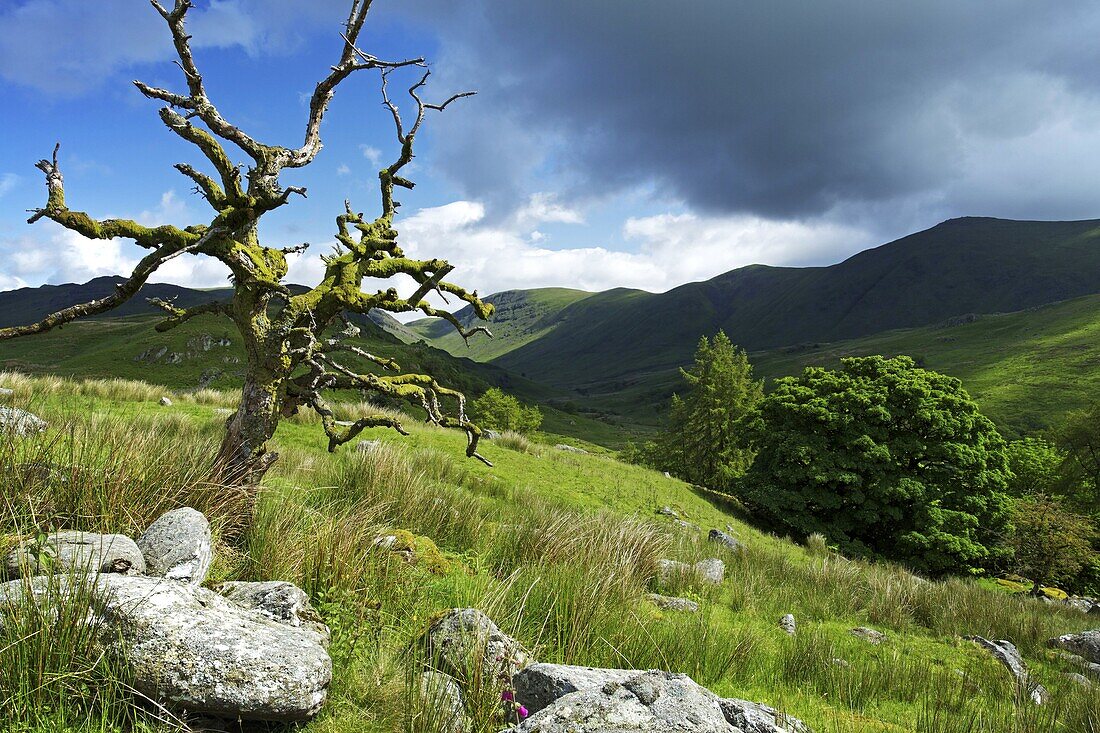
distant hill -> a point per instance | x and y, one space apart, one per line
631 341
26 305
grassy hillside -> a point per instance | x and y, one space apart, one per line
208 353
521 317
558 547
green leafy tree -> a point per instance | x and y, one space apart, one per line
886 460
1079 439
299 345
700 443
1034 466
1051 543
496 410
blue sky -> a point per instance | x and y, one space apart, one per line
614 143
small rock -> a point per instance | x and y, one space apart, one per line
178 546
1006 653
711 570
842 663
721 538
490 435
755 717
5 392
1085 644
463 638
82 552
788 625
366 446
1079 679
570 448
684 524
868 635
443 697
165 402
1084 605
282 602
668 511
667 474
20 422
672 603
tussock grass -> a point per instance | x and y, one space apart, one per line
565 571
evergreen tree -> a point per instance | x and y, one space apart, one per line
700 443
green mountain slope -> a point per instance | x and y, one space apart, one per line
521 317
208 353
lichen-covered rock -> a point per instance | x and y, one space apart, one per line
719 537
178 546
464 639
787 623
20 422
282 602
869 635
755 717
442 697
570 699
189 648
712 570
85 552
1086 644
673 603
1006 653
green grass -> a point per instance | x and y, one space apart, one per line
558 547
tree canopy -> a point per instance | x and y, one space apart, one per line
496 410
886 460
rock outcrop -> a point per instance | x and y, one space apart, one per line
571 699
20 422
464 639
1006 653
1086 644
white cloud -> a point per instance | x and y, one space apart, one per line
544 207
343 170
371 153
7 182
10 282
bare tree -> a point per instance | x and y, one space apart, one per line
291 341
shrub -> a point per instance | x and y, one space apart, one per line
496 410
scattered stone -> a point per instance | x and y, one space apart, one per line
869 635
20 422
178 546
668 511
565 698
189 648
82 552
788 625
165 402
721 538
5 392
366 446
442 695
667 474
1085 644
570 448
282 602
843 663
464 638
672 603
490 435
684 524
1006 653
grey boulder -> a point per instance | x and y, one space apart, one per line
1086 644
282 602
84 552
443 702
188 648
712 570
20 422
571 699
464 642
178 546
731 543
869 635
787 623
1006 653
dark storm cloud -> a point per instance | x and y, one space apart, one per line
777 107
